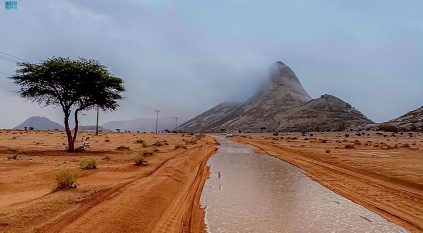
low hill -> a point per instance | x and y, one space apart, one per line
40 123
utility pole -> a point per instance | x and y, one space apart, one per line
176 124
157 118
96 126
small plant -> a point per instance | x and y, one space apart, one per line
180 146
121 148
349 146
388 128
406 145
140 141
146 153
84 144
66 179
158 143
327 151
107 140
139 159
88 163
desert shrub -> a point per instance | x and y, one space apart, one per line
190 142
122 148
144 144
357 142
347 135
388 128
156 150
323 141
88 163
14 157
327 151
107 140
158 143
180 146
349 146
146 153
66 179
140 141
139 159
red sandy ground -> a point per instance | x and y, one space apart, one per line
116 197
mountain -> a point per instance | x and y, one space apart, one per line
40 123
411 121
282 104
92 128
141 124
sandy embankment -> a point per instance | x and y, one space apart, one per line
116 197
374 174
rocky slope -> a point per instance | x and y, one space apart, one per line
283 105
411 121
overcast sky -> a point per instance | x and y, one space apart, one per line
184 57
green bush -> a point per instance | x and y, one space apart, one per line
88 163
66 179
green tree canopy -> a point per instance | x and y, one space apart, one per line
74 85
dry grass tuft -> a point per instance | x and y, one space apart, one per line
88 163
66 179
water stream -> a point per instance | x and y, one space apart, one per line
249 192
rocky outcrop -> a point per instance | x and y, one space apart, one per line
281 105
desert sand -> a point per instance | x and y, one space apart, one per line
116 197
380 171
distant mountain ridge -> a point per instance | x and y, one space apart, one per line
281 105
141 124
40 123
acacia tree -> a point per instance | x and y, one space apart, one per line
74 85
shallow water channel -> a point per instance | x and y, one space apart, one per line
250 192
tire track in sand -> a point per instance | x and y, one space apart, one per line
71 216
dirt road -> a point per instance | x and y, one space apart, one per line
120 197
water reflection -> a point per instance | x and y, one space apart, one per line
248 192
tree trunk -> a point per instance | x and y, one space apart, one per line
71 144
75 132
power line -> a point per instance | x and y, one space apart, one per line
8 59
15 57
